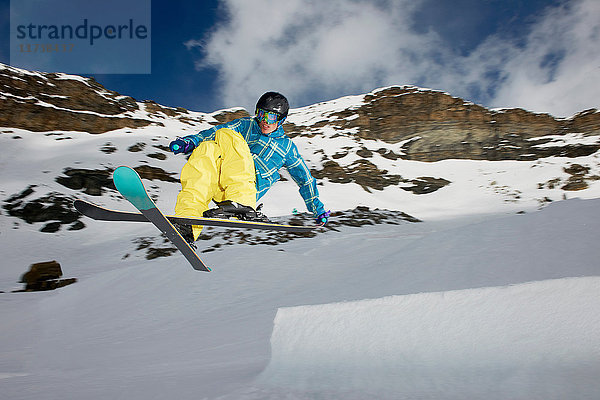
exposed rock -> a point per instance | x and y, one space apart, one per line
158 156
362 172
53 208
435 126
368 176
108 148
153 250
56 209
154 108
229 115
96 182
425 185
579 175
45 276
585 121
136 147
92 182
47 102
155 173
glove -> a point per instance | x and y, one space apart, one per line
182 145
323 218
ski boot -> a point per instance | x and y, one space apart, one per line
229 209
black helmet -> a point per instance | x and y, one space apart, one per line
274 102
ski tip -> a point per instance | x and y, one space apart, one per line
124 171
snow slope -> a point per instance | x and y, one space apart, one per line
157 329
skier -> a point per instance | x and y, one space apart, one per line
236 163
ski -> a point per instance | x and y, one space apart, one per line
130 185
99 213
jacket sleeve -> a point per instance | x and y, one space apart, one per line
307 183
208 134
238 125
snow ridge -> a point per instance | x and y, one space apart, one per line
538 338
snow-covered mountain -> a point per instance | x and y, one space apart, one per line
480 224
71 133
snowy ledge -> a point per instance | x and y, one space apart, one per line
540 336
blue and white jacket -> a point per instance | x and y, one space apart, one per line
270 153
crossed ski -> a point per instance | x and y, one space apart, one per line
130 185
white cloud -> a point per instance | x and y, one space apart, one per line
314 50
558 69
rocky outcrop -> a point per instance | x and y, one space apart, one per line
53 209
431 125
434 126
368 176
42 102
56 210
161 112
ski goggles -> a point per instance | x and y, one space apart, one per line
269 117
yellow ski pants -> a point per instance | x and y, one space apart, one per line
218 170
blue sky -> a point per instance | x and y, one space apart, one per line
542 55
